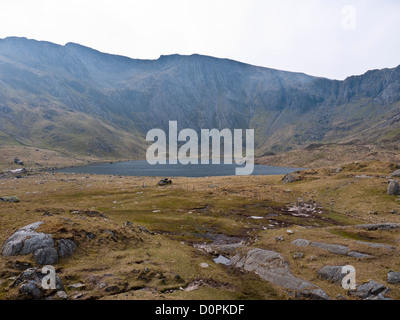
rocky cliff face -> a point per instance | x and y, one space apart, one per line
79 100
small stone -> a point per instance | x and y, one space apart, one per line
31 288
90 236
298 255
334 248
370 289
76 286
204 265
62 295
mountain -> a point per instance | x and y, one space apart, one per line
80 101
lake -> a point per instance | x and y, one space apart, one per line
142 168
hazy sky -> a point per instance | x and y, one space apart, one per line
329 38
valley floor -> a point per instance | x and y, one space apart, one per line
137 240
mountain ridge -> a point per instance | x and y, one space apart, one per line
82 101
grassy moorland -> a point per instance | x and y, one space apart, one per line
145 240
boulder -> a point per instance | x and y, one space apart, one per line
164 182
19 162
29 284
393 188
396 174
393 277
332 273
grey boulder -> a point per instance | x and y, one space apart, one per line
29 284
332 273
393 188
396 174
26 240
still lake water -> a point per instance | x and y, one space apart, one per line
142 169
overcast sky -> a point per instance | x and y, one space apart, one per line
328 38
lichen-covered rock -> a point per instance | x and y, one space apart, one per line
26 240
369 290
332 273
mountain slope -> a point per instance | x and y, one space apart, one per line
77 100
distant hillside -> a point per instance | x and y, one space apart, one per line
80 101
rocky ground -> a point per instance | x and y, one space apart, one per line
257 237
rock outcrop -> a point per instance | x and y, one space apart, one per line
27 240
371 291
393 277
271 266
30 286
334 248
